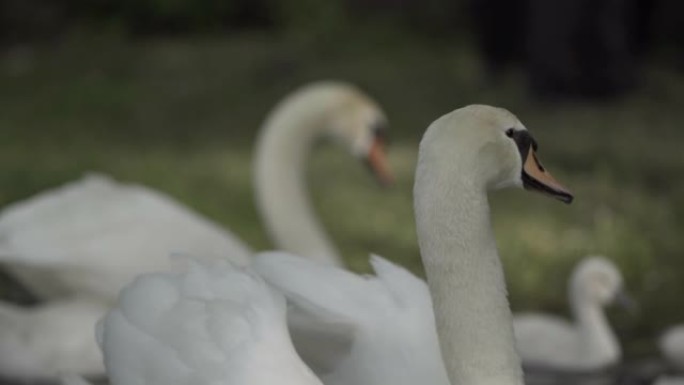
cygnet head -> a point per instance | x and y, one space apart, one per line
598 280
345 113
491 147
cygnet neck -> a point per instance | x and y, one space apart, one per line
598 338
465 276
283 148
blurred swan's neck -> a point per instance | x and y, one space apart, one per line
599 341
282 150
465 277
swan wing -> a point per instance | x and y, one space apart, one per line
379 327
671 345
108 229
319 313
73 380
210 324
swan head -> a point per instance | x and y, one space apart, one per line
598 280
358 122
492 147
344 113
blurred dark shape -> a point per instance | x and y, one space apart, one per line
500 29
668 29
579 48
30 19
576 48
570 48
14 292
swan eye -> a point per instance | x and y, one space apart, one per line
510 132
379 130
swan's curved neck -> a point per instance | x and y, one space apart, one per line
282 150
466 281
597 335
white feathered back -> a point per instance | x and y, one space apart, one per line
373 329
211 324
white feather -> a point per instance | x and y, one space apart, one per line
212 324
385 321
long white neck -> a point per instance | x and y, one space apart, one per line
465 277
599 341
282 150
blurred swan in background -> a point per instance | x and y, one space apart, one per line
89 238
162 335
586 343
283 146
671 345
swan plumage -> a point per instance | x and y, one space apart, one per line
358 329
329 109
671 344
94 235
208 324
88 238
587 342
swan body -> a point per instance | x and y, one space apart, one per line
88 238
353 329
588 341
94 235
462 156
210 324
335 110
671 345
51 337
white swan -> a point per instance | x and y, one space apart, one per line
90 237
586 343
283 146
671 345
462 156
212 324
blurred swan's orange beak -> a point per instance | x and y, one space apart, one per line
535 177
376 159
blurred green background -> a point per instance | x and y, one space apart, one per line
171 93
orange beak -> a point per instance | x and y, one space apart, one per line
377 162
535 177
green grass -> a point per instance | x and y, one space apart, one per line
180 115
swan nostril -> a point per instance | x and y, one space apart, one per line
541 168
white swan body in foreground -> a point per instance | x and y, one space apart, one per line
353 329
462 155
90 237
587 342
212 324
671 345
